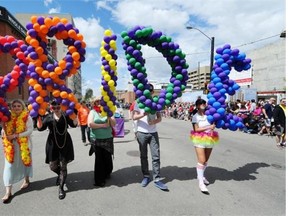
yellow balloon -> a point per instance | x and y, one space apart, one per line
112 43
104 53
114 68
103 43
106 98
111 83
104 93
103 113
112 88
108 57
110 104
112 62
107 77
113 109
108 32
103 73
102 67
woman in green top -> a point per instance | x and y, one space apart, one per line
102 141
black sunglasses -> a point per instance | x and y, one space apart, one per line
56 107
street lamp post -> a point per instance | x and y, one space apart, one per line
212 47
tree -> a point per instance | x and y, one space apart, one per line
88 94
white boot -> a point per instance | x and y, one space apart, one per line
200 172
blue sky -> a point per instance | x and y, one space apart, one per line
239 23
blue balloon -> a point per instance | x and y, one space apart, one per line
216 80
235 86
220 123
210 118
221 111
211 101
219 86
216 105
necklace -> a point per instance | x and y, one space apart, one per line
55 129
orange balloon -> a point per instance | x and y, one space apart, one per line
48 22
53 75
64 34
76 64
64 21
63 94
55 20
43 93
56 93
72 97
44 29
28 39
39 99
58 36
76 56
62 64
72 116
37 87
77 106
33 19
83 44
72 49
80 37
42 111
37 62
64 108
45 74
34 43
72 34
36 27
39 50
30 107
58 70
39 70
49 88
43 58
32 82
44 105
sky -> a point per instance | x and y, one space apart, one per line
245 24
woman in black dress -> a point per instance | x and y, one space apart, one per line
59 145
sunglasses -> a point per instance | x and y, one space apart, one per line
56 107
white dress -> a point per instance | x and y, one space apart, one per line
16 171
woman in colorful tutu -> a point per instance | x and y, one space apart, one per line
17 146
204 138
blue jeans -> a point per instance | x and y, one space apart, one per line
153 140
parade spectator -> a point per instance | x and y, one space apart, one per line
268 114
279 115
204 138
17 146
258 110
253 106
82 116
59 145
147 134
101 142
131 108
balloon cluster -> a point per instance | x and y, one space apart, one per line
50 77
174 56
220 85
17 49
109 74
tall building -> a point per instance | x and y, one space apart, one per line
198 77
58 49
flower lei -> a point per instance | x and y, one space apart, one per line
17 124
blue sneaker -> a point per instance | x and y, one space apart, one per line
145 181
161 185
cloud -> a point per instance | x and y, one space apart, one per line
47 2
91 29
54 10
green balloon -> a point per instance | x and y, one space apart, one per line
157 41
139 33
141 105
146 93
186 65
168 95
124 33
169 39
138 47
143 69
153 111
155 99
140 86
126 39
137 100
179 76
171 52
138 65
147 109
128 56
178 52
136 82
132 43
179 94
183 87
132 61
174 74
163 38
170 89
167 102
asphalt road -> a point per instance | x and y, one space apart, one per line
246 172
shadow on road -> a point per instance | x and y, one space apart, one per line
132 175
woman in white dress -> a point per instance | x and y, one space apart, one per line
17 148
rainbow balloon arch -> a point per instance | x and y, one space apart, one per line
44 77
